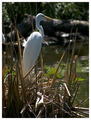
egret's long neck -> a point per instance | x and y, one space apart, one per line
40 28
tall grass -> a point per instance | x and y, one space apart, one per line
41 96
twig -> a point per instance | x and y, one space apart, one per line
77 114
67 89
21 78
54 103
70 79
81 108
20 52
41 67
82 102
40 112
75 93
48 81
54 77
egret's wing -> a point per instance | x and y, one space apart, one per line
31 51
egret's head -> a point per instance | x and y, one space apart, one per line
40 17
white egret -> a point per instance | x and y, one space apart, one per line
33 45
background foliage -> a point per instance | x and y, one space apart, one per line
61 10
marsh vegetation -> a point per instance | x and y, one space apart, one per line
58 84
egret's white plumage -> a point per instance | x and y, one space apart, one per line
31 51
33 45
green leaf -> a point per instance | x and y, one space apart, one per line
52 71
79 79
47 67
58 75
13 73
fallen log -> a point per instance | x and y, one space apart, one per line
56 30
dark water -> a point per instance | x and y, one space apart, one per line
54 54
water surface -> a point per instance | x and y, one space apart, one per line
54 54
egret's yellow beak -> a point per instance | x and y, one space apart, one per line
48 18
